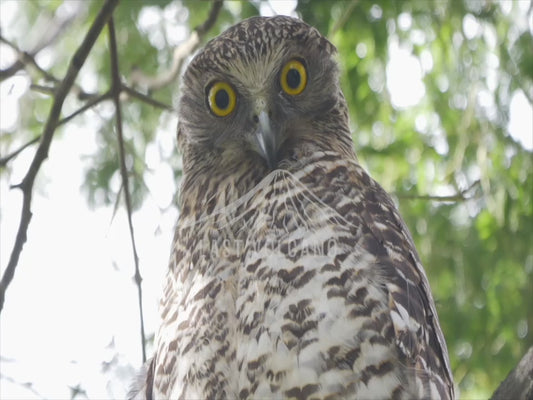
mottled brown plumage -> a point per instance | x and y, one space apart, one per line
292 275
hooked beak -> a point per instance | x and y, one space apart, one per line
266 140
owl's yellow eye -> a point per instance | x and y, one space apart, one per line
221 98
293 77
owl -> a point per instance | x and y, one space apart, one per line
292 274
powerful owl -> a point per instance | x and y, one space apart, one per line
292 274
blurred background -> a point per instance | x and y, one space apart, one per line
440 94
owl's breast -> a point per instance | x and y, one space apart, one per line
312 313
277 295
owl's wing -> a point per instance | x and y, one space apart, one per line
142 388
418 335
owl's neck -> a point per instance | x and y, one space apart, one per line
207 189
212 180
208 186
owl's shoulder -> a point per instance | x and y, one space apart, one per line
345 186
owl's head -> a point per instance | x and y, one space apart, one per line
264 92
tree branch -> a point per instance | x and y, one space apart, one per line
146 99
115 90
58 24
344 18
48 90
25 59
519 382
6 159
90 104
41 154
180 54
94 101
461 196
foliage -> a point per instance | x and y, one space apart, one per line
463 183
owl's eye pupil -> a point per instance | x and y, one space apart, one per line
293 78
222 99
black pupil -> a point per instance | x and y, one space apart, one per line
293 78
222 99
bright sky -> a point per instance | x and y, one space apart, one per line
73 293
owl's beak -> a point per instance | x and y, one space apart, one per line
266 140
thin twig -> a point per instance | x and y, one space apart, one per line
48 90
116 89
461 196
11 70
344 18
211 18
90 104
58 24
6 159
453 197
41 154
146 99
107 95
180 54
25 59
